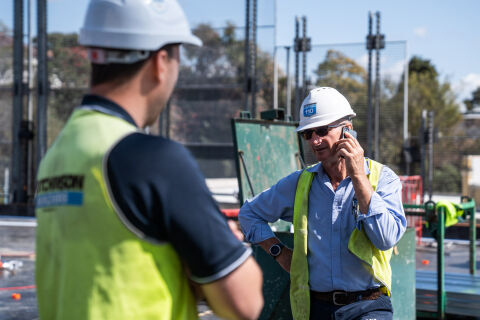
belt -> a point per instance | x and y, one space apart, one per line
341 298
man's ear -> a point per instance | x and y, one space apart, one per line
159 61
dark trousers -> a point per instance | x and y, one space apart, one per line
379 309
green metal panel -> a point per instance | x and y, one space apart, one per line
266 151
270 150
276 281
403 277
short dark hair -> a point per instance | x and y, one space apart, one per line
121 72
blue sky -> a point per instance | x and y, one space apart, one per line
446 32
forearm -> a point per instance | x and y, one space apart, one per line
285 257
363 192
237 295
385 222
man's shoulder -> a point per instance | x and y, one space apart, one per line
142 151
387 173
141 144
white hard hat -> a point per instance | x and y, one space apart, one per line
145 25
323 106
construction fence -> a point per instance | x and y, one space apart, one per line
212 89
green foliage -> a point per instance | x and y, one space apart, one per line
422 66
474 101
69 71
68 62
342 73
427 92
447 178
218 66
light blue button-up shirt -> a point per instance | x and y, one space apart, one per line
331 220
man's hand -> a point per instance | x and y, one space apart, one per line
285 259
235 230
350 149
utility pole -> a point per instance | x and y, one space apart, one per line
300 45
254 58
430 133
377 89
42 79
247 54
422 139
369 108
19 170
250 56
376 42
297 67
304 56
289 85
406 143
275 58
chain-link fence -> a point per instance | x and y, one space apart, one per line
211 90
345 67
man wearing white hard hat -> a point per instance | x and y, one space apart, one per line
127 228
347 215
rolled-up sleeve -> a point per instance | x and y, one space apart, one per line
385 221
269 206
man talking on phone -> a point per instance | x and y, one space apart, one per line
347 215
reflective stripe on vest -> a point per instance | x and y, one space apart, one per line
359 245
89 265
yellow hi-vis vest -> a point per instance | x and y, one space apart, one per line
89 265
358 244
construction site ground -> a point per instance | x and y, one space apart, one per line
17 245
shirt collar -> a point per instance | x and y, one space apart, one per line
107 106
317 168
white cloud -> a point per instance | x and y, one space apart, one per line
363 60
420 32
465 87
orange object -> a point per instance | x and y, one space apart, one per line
16 296
425 261
1 264
231 213
412 193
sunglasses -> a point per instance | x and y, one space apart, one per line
319 131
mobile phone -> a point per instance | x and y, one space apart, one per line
352 132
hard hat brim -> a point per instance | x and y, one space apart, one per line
132 41
319 123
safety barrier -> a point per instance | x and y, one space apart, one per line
412 194
436 219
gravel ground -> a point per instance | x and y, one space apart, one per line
17 244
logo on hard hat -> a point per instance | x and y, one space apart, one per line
158 5
309 110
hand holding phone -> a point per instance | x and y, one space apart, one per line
352 132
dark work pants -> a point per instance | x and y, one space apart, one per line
380 309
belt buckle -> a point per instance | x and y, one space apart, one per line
338 293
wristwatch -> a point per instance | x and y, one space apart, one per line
275 250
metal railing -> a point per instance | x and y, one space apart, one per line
430 212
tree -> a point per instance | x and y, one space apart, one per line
69 69
427 92
344 74
474 102
212 79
